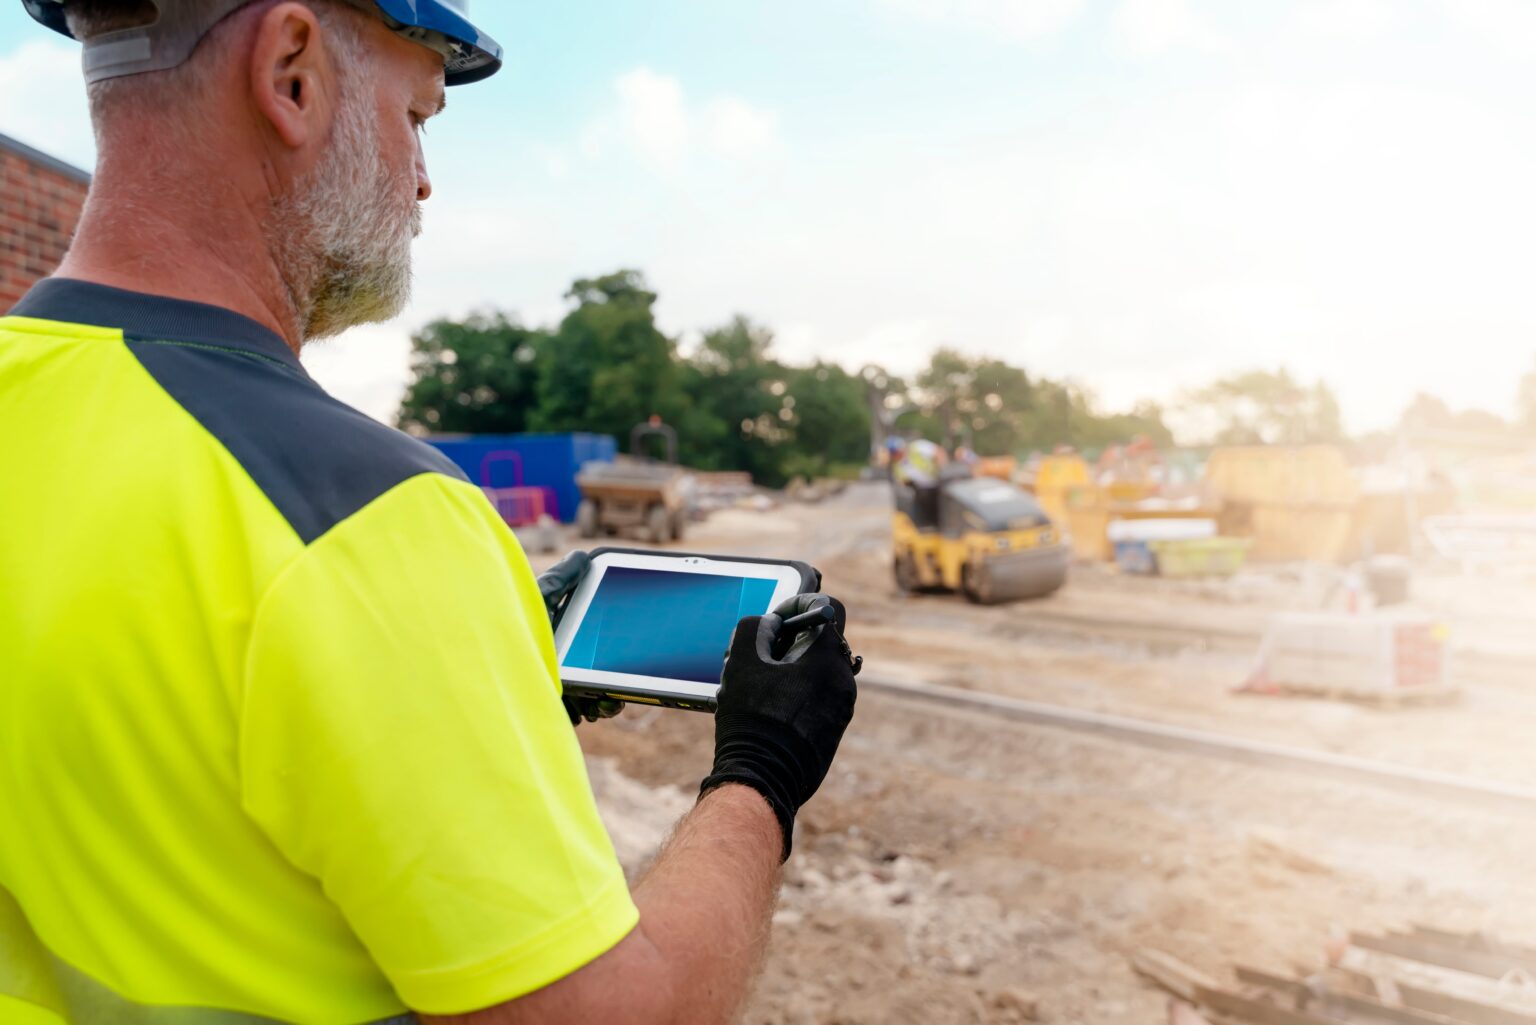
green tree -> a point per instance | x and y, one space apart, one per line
1266 407
734 404
1145 420
608 366
999 409
479 375
1057 415
829 420
981 402
1430 413
736 396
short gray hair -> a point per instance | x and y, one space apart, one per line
89 18
162 89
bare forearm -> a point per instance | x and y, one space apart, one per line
707 904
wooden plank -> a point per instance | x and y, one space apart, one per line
1473 941
1447 937
1491 965
1259 1012
1436 1001
1393 970
1178 978
1350 980
1181 1012
1470 1011
1363 1007
1295 988
1354 1007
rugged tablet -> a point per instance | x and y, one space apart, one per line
653 627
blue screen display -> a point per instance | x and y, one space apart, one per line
659 623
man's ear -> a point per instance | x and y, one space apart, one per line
291 75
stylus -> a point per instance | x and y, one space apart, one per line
815 617
820 616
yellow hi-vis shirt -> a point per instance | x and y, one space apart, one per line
280 726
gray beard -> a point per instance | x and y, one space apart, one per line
342 236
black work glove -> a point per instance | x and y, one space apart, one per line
556 585
782 707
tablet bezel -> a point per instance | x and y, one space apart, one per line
789 580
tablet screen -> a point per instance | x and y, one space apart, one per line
652 622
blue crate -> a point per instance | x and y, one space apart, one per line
548 461
1136 557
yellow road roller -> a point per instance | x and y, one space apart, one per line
983 537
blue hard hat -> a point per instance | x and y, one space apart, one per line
474 55
442 25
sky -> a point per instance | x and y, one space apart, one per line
1136 195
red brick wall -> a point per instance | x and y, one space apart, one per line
39 204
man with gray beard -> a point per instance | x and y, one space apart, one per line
281 730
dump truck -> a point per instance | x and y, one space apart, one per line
636 492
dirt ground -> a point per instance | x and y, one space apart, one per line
958 868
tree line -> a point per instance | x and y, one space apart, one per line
607 367
737 406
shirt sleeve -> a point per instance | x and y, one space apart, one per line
403 741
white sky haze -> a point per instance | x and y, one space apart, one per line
1136 194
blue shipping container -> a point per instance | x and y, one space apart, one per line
548 461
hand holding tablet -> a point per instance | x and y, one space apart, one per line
744 638
555 586
782 708
653 627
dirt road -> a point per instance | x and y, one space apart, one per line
957 868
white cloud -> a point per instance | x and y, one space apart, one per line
556 162
653 116
901 346
1023 20
42 100
1147 28
656 119
1351 19
1358 230
1509 26
735 129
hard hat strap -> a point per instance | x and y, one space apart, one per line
159 45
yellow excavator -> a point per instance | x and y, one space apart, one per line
983 537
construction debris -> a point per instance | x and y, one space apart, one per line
1418 976
1387 659
1013 1005
810 492
726 490
1271 846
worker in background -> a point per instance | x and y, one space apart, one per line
283 736
920 469
890 454
920 464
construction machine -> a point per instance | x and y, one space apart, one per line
636 492
986 538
